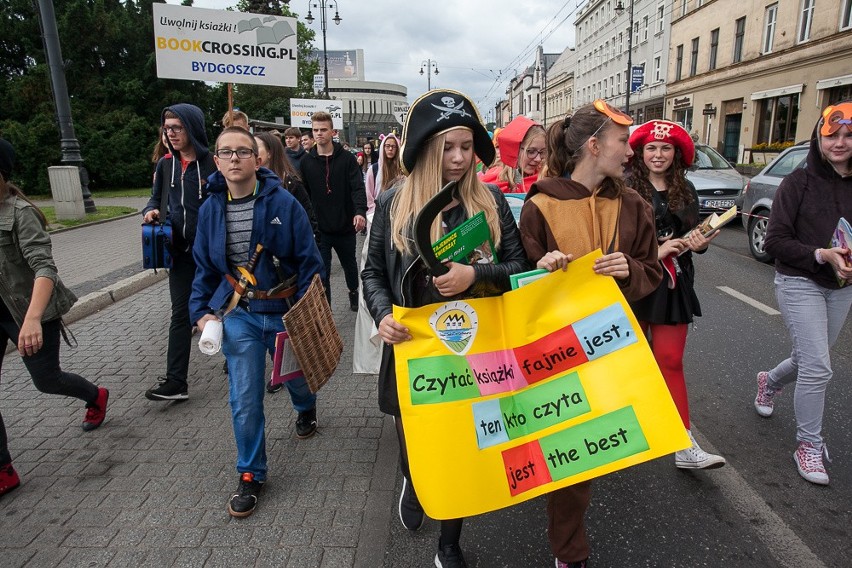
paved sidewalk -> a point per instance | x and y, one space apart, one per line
149 488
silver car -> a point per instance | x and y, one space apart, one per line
759 193
717 183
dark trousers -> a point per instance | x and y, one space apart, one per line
180 328
566 527
43 367
344 245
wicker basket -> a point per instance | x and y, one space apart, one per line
314 336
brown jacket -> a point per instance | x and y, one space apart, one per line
635 234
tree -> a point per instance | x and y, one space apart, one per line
116 97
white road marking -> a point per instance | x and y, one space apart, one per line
780 540
750 301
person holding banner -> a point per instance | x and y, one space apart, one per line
583 206
248 222
813 274
442 132
663 152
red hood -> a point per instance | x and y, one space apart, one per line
510 138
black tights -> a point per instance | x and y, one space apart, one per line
450 528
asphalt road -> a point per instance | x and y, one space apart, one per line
755 512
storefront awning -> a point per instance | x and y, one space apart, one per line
772 93
834 82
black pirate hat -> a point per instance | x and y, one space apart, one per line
437 112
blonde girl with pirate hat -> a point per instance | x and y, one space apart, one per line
443 132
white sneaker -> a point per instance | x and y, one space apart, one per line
808 458
696 458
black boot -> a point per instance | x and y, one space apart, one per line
353 300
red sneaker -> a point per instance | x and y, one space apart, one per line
8 478
96 412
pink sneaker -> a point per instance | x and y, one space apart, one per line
808 458
8 478
763 401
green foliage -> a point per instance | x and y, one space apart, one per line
116 97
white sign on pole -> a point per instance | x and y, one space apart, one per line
302 109
400 111
319 83
228 47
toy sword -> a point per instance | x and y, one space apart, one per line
423 228
246 278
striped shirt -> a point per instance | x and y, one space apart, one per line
239 214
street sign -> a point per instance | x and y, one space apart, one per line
637 77
400 111
710 111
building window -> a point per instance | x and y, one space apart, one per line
661 10
635 34
805 19
846 15
693 58
684 118
778 117
678 62
683 4
612 53
621 41
739 36
618 83
714 48
699 3
658 72
645 28
769 19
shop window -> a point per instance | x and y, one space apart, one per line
778 117
684 118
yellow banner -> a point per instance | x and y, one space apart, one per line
507 398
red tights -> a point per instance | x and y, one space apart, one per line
668 343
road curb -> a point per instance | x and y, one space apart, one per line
96 301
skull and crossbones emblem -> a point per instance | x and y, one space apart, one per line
450 108
661 130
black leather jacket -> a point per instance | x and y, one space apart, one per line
388 275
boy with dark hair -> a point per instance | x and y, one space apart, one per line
293 146
183 176
248 207
336 186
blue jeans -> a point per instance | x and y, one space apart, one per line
247 339
814 317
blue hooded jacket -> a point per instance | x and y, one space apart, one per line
186 189
280 224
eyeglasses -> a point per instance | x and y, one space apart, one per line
834 117
173 129
227 153
532 153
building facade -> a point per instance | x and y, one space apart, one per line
752 72
559 87
368 108
613 56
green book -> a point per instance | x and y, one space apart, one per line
469 243
524 278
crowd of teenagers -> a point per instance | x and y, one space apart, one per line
591 182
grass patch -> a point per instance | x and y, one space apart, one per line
122 192
104 212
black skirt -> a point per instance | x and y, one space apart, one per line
671 306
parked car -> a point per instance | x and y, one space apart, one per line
759 193
717 183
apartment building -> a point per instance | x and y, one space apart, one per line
746 72
559 88
606 69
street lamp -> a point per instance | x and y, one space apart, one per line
429 64
619 9
322 5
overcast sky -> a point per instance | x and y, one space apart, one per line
478 44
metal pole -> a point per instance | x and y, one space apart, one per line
68 141
323 24
428 74
629 61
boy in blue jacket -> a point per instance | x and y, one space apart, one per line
247 206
